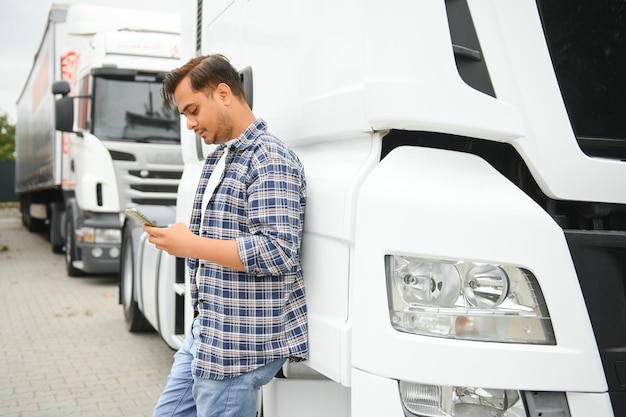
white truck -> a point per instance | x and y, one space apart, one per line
465 234
115 146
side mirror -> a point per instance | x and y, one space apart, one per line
64 107
61 87
64 114
245 75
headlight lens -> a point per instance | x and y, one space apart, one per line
102 236
444 401
428 283
486 286
108 236
466 300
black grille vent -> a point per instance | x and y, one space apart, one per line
122 156
155 188
155 201
169 175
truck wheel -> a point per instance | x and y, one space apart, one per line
24 209
56 226
31 224
135 320
56 246
70 246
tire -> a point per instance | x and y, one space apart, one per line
57 248
135 320
31 224
56 225
25 210
70 246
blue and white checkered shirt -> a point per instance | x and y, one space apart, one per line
247 319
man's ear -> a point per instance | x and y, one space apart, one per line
223 93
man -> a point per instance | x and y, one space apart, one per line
242 248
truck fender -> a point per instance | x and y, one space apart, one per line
71 206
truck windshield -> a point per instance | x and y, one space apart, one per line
587 41
132 110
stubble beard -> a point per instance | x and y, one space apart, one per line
223 132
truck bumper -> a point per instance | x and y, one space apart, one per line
376 396
99 259
98 242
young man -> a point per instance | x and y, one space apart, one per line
242 248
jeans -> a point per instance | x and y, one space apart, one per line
186 395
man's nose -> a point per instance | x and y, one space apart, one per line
191 123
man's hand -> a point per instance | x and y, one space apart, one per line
176 239
179 241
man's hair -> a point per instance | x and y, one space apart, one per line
205 73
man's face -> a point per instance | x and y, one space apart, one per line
206 114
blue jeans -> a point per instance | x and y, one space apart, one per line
186 395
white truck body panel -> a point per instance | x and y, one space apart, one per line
90 169
338 82
548 143
454 179
37 153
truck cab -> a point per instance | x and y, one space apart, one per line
464 240
92 136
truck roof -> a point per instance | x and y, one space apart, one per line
85 19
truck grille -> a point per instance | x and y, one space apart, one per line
150 175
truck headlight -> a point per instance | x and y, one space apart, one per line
102 236
108 236
466 300
440 401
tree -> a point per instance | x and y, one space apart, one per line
7 139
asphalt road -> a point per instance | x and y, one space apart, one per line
64 347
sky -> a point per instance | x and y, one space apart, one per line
21 31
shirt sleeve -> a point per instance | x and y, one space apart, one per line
274 209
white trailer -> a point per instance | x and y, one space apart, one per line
465 233
115 146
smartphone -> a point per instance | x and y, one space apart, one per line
139 217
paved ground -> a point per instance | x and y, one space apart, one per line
64 348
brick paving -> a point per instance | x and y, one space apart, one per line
64 347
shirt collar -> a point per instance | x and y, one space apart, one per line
256 128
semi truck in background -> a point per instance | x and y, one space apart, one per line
92 137
464 250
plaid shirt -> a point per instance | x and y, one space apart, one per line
247 319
